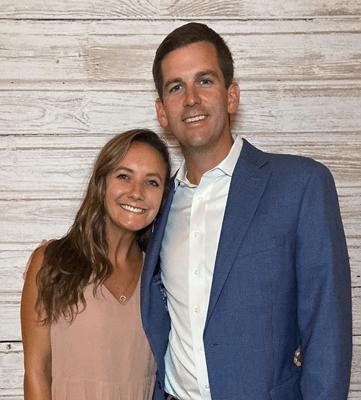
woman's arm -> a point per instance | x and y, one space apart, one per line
36 337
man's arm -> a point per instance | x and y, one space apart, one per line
324 292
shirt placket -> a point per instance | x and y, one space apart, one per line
198 293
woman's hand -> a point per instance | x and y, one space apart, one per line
297 357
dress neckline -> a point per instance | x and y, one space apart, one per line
123 303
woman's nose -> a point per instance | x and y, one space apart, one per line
136 191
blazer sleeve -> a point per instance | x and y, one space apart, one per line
324 292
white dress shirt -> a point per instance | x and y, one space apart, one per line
188 255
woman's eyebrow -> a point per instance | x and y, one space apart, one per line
123 169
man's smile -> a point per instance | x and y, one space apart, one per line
194 119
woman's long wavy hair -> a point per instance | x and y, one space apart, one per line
81 257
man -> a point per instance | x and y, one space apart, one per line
253 256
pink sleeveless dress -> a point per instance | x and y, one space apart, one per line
104 353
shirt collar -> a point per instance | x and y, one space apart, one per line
226 166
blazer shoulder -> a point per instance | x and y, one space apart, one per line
282 162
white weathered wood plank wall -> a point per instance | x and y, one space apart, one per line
74 73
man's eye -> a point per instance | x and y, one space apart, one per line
175 88
206 81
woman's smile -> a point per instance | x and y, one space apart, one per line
132 209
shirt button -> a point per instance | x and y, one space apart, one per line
201 348
196 272
207 386
196 310
196 234
200 198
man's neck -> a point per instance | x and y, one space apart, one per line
199 161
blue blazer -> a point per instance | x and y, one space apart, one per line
281 280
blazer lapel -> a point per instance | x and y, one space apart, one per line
155 241
155 318
246 189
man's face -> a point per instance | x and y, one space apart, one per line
196 102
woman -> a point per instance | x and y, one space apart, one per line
80 311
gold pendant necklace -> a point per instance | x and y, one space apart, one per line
123 297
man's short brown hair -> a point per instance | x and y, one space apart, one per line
185 35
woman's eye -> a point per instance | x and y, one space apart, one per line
122 176
153 183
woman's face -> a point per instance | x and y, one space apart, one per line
134 189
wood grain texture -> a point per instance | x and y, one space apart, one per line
73 74
173 9
89 55
277 108
11 370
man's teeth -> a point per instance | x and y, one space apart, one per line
133 209
194 119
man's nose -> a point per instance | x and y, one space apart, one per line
191 97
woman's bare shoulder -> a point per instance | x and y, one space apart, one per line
35 260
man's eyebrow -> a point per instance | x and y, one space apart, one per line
172 81
208 72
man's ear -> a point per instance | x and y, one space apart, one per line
161 114
233 97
